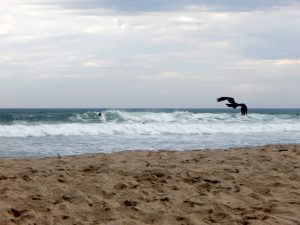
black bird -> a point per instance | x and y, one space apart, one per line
233 104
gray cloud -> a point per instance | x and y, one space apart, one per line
162 55
135 6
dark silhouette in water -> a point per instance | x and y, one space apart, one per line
100 114
233 104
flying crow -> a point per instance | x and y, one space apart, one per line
233 104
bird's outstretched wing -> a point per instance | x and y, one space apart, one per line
244 109
229 99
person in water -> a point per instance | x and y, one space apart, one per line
100 114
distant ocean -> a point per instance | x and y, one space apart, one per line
47 132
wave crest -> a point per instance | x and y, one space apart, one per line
71 129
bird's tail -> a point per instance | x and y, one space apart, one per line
232 105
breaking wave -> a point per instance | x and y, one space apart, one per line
120 122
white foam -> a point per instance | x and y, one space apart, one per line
155 123
150 128
185 116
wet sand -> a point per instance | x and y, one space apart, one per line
258 185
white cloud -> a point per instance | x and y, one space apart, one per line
286 62
96 64
269 62
252 88
170 75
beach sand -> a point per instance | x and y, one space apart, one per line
258 185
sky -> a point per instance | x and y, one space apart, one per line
149 53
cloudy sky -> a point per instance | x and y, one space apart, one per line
149 53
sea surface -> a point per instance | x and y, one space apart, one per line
47 132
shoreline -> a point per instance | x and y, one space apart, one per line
248 185
221 149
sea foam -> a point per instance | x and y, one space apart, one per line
131 127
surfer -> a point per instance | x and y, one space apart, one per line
100 114
233 104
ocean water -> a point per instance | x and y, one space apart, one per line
47 132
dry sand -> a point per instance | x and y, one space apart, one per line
237 186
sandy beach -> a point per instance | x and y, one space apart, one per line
258 185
